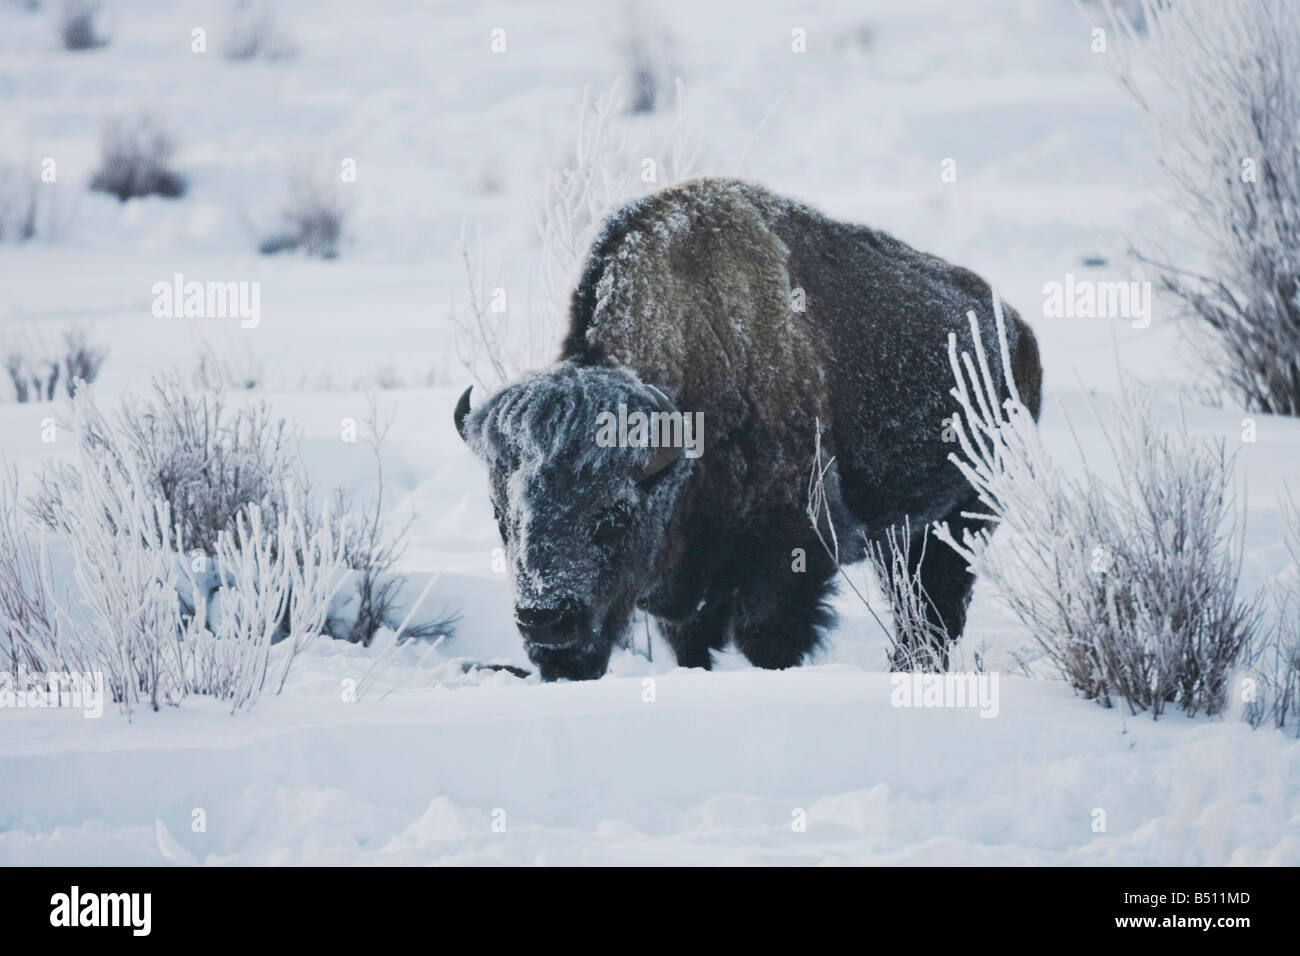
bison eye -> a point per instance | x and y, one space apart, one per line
611 527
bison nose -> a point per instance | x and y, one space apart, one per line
548 625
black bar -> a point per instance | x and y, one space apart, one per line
369 905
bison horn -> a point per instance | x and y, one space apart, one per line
662 404
663 457
462 409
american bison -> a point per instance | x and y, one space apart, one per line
719 299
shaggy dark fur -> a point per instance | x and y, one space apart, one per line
692 290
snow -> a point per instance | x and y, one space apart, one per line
713 770
438 763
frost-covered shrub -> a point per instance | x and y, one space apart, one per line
855 38
268 583
603 172
916 643
371 550
36 362
30 365
481 329
204 460
157 619
212 466
135 161
1130 586
78 25
139 613
20 201
28 633
313 219
82 359
235 369
253 31
127 616
649 54
166 598
28 207
1275 665
1219 83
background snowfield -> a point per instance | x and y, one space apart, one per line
1052 170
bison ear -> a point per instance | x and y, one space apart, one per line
462 409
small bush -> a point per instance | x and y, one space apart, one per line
78 25
211 467
1130 587
126 618
28 207
601 174
82 359
193 552
1275 663
1222 94
206 462
235 369
36 363
253 31
135 161
19 204
313 219
27 618
648 50
272 583
127 613
33 372
373 555
916 644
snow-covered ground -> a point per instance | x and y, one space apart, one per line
735 767
437 764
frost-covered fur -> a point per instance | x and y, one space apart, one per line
696 290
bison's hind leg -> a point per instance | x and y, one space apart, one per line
781 610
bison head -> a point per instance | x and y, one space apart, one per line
582 522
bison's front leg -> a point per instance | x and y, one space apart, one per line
781 609
695 637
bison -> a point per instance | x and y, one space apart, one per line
719 299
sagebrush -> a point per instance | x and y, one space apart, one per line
1129 586
38 363
1219 83
136 160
